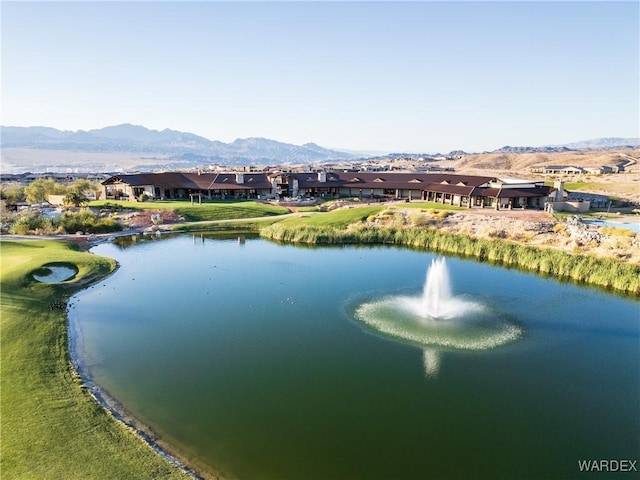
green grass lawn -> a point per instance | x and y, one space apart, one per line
337 218
217 211
310 216
580 186
51 428
207 211
344 217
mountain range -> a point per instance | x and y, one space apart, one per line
180 145
137 147
606 143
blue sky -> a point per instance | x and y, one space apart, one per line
372 76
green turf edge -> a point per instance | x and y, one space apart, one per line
51 427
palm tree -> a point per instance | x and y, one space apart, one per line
75 199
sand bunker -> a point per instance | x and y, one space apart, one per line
55 273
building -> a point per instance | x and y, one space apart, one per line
174 185
447 188
574 170
562 170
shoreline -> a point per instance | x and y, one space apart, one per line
117 411
111 405
99 395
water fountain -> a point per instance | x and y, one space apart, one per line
437 302
437 320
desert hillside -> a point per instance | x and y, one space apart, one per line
625 185
522 162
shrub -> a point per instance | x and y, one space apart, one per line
113 207
28 222
419 218
617 232
495 233
560 228
623 242
88 222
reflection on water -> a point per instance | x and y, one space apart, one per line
438 320
479 329
431 361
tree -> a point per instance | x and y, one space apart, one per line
75 199
84 186
12 193
38 190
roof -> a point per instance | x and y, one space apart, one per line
405 180
562 167
194 181
432 182
539 191
453 189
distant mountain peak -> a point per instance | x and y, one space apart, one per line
137 139
604 143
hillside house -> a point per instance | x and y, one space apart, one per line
562 169
574 170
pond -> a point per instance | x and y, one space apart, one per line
259 360
633 226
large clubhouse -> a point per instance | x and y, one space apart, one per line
447 188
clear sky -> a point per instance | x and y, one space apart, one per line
369 76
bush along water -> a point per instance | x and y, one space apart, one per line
602 272
33 222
